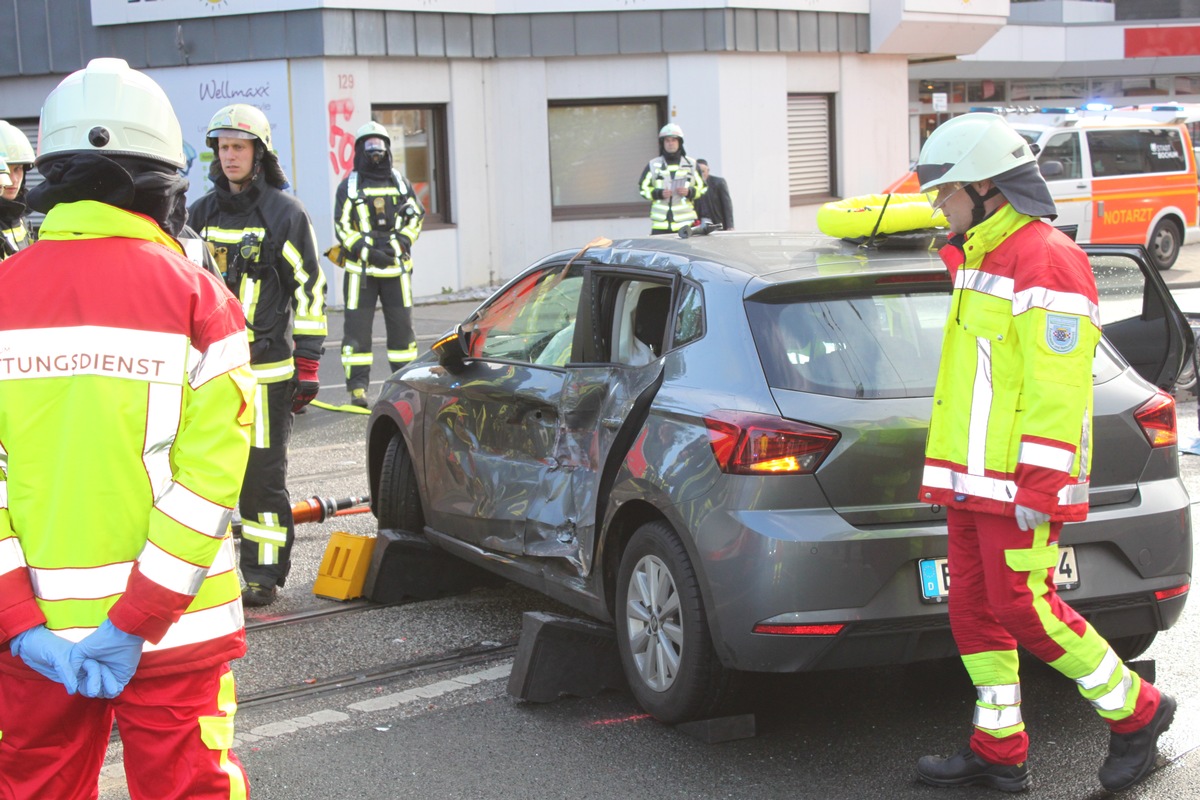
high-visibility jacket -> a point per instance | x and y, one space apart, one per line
678 211
1012 410
380 215
14 231
125 406
266 248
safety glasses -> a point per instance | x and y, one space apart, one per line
945 192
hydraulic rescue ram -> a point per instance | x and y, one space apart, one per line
318 509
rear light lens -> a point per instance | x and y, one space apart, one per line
1157 420
799 630
757 444
1167 594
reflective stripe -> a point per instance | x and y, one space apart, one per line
309 326
260 432
1008 694
170 572
231 235
1103 673
353 289
997 489
151 356
1115 700
3 492
193 511
163 404
273 372
220 357
977 280
80 583
1036 454
402 355
95 583
262 532
1057 302
357 359
11 556
192 628
993 719
981 408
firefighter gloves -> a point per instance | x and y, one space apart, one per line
306 392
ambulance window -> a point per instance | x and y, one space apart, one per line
1134 152
1063 148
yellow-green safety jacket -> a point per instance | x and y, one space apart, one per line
266 248
1012 410
377 220
678 211
125 407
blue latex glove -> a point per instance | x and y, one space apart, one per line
116 652
1028 519
48 653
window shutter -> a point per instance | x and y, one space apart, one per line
810 154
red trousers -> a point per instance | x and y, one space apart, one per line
176 730
1002 594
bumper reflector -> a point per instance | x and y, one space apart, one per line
799 630
1167 594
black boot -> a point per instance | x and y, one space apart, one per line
1131 755
257 595
965 768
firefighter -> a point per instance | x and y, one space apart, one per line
16 151
266 249
377 218
125 411
1009 455
672 184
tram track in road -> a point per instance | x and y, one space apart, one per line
258 623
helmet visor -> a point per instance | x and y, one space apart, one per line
929 175
231 133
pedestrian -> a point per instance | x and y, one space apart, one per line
715 205
672 184
18 154
267 250
377 218
125 406
1008 455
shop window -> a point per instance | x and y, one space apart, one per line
811 151
597 153
419 152
1021 91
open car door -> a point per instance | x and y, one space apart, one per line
1138 315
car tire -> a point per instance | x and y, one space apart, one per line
662 630
1128 648
399 506
1165 242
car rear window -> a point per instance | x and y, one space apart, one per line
878 346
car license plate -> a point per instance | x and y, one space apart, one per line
935 575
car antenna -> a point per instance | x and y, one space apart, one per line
599 241
887 198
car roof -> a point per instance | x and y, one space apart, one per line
766 259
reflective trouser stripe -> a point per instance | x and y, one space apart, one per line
267 535
402 356
998 692
353 290
260 432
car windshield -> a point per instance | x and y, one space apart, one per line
868 347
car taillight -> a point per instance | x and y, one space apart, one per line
1157 420
756 444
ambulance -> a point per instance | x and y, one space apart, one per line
1120 176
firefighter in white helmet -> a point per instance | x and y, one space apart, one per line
672 183
1009 455
127 401
377 218
267 250
17 153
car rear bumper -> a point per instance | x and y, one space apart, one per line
805 567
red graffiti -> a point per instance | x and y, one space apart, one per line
341 141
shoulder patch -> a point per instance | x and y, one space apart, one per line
1062 332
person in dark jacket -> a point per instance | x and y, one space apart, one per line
377 218
714 205
18 155
266 249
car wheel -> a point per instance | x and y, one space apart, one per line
399 506
1164 243
662 630
1130 647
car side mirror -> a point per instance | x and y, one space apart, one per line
1051 169
453 349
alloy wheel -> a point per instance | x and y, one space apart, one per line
654 623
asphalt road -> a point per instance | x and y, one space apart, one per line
457 734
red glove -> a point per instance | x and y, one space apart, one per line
306 373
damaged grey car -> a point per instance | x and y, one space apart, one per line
715 443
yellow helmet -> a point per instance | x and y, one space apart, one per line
14 145
240 121
110 109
